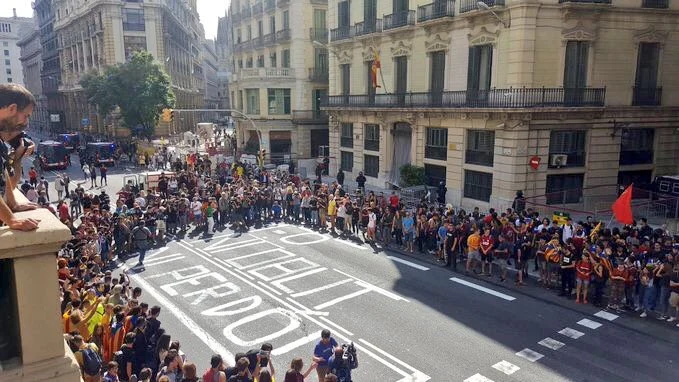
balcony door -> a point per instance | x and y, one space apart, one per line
343 19
319 96
346 81
400 9
369 15
575 72
646 81
401 83
479 73
436 81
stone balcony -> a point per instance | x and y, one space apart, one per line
41 353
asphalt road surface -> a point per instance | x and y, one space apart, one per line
410 321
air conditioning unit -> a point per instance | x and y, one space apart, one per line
558 160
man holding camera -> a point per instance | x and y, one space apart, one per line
343 362
16 106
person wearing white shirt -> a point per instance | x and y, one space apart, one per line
372 224
567 230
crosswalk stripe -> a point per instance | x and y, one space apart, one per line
551 343
530 355
606 315
571 333
506 367
586 322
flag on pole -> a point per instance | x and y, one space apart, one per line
373 70
622 208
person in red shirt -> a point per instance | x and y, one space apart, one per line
583 269
64 213
487 244
393 200
33 177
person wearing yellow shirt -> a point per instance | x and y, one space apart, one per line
332 212
473 245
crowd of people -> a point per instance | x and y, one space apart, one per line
117 337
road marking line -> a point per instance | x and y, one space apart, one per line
219 245
478 378
244 274
279 232
551 343
408 263
269 288
244 267
162 261
249 244
377 289
295 344
319 289
267 241
421 376
198 331
586 322
606 315
530 355
384 353
483 289
221 261
279 283
340 299
178 254
257 272
156 253
332 323
349 243
506 367
305 310
571 333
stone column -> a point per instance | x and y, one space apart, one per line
44 355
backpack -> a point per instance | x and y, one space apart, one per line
91 362
341 370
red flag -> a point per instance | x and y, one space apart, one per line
376 65
622 207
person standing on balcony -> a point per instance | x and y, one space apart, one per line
16 106
340 177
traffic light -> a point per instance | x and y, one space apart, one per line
262 157
171 115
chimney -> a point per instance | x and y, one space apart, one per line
14 10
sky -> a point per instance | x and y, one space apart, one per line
208 10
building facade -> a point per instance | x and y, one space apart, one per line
280 76
210 62
563 100
31 62
12 29
224 48
94 34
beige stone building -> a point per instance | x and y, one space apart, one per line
280 76
587 89
31 63
95 33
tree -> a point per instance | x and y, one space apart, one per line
412 176
140 88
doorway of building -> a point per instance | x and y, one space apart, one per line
402 133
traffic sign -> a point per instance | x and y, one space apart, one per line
85 121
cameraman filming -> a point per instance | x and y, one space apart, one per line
343 362
16 106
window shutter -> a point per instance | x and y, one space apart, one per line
473 68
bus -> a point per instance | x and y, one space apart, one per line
101 153
52 155
70 140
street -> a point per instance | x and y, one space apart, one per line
410 320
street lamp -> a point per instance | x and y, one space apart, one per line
484 7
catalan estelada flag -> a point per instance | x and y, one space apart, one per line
373 70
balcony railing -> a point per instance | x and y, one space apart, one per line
367 27
266 73
269 39
282 2
586 1
257 8
245 12
399 19
309 116
137 27
341 33
283 35
655 4
318 34
371 144
257 42
436 152
643 96
269 5
318 74
436 10
470 5
494 98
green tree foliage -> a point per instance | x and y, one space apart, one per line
412 176
140 88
